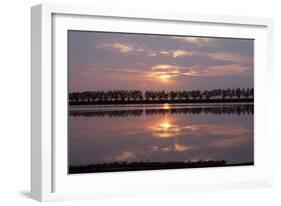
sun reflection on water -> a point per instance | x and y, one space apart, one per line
165 129
165 125
166 106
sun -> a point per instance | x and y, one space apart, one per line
166 106
164 129
165 125
164 77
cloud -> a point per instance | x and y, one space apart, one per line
229 142
222 70
228 63
125 155
218 130
176 148
180 148
229 56
134 48
168 72
197 70
151 54
122 47
216 53
166 67
164 71
91 72
200 41
166 129
176 53
180 53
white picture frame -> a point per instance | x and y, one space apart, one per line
49 179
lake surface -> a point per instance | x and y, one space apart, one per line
161 133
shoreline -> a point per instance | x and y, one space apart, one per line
146 166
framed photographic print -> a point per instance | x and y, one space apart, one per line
145 102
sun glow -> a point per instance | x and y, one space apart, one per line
166 106
165 125
160 73
164 129
164 77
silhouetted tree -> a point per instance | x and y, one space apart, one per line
121 96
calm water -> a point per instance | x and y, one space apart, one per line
161 133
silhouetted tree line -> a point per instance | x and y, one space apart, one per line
137 96
229 109
147 165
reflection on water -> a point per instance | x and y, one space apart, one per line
166 106
164 109
168 133
165 129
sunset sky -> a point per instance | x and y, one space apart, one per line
104 61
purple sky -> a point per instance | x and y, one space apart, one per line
104 61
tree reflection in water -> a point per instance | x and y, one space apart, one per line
166 109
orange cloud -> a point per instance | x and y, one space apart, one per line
181 148
167 129
217 70
180 53
126 155
166 67
221 70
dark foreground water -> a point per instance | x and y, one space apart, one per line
159 134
